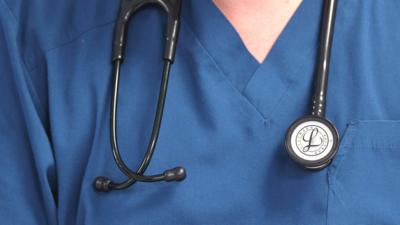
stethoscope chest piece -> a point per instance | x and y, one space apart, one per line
312 142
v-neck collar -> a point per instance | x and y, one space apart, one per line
221 40
263 84
290 62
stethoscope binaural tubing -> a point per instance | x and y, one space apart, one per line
128 8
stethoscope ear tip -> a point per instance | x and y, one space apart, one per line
102 184
175 174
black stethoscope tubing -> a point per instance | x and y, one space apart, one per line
324 55
172 8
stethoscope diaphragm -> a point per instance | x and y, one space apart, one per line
312 141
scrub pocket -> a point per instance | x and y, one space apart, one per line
364 178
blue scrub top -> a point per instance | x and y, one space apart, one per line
225 117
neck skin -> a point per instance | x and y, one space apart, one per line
258 22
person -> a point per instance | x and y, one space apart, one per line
243 73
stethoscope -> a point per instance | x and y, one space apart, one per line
311 141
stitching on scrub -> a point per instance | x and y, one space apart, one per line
369 141
221 71
63 44
246 84
332 173
29 69
374 146
349 133
289 84
331 178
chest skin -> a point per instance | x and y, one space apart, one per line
251 17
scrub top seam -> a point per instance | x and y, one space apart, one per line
253 74
70 41
289 84
29 70
223 73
